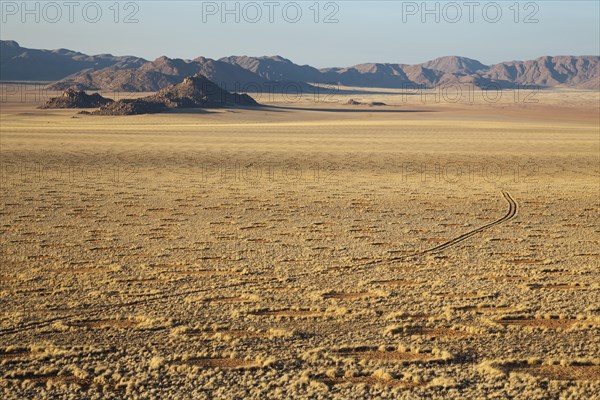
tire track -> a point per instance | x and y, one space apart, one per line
513 208
512 212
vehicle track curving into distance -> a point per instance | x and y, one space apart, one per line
513 207
99 310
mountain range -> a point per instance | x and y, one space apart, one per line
72 69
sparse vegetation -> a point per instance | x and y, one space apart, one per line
281 255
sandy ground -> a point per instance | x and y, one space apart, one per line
308 249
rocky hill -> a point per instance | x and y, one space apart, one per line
193 92
72 98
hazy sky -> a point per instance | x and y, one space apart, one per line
373 31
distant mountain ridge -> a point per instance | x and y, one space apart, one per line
152 76
275 68
20 63
244 73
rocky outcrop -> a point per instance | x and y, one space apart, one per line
72 98
194 92
353 102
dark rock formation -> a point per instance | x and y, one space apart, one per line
194 92
353 102
72 98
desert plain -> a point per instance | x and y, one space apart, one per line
308 249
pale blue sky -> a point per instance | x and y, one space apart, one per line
371 31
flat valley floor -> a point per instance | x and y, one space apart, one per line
307 249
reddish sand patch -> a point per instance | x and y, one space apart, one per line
393 356
10 355
83 270
576 372
525 261
370 381
237 333
107 323
396 282
291 313
463 295
223 362
489 309
230 300
437 332
548 323
347 295
561 286
506 278
201 272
